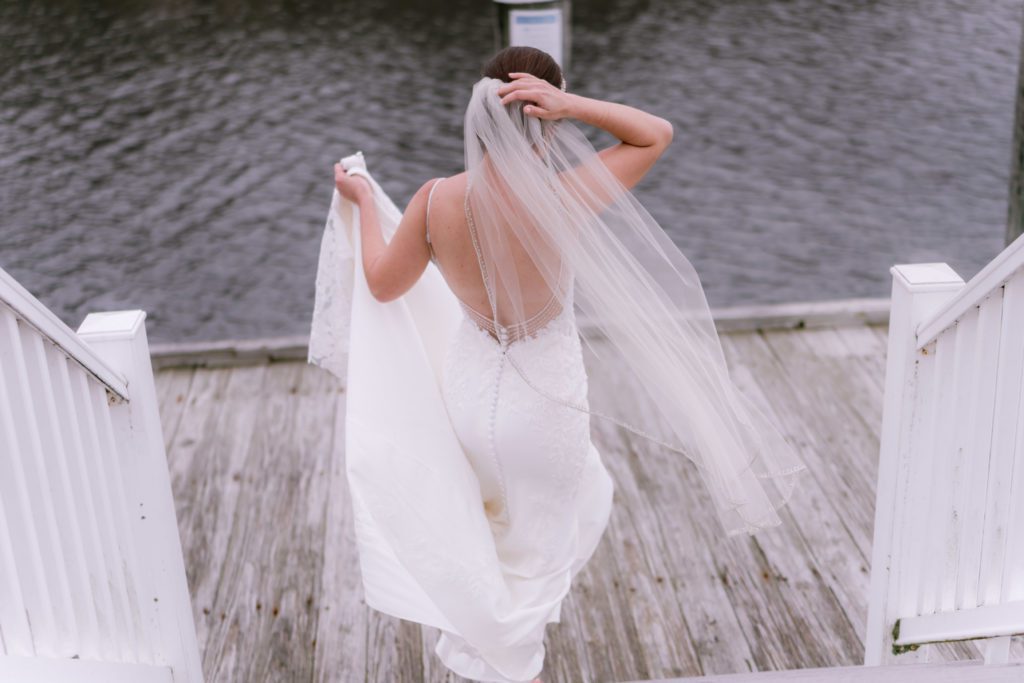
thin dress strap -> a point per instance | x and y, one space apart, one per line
430 198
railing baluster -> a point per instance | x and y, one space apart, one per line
14 626
957 458
1013 567
919 460
944 457
99 480
97 563
978 449
142 633
21 488
54 460
930 366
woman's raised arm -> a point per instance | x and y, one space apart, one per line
391 268
643 136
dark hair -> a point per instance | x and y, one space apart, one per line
524 59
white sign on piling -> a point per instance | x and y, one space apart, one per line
539 28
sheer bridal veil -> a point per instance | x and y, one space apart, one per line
553 227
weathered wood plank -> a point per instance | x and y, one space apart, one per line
172 389
820 505
675 571
811 550
882 331
257 461
205 458
568 648
598 612
341 653
777 632
274 554
818 397
868 349
251 471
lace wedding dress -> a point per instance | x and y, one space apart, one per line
546 493
475 503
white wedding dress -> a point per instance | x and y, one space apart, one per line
476 491
475 500
545 491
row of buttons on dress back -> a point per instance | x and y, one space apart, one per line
491 433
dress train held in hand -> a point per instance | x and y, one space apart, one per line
475 504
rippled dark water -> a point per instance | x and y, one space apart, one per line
176 156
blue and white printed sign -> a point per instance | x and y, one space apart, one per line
539 28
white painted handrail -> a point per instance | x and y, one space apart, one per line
990 278
948 551
92 578
32 312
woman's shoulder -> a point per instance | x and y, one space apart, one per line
459 179
448 187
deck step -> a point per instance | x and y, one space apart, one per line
948 672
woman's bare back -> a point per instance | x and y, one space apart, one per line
455 254
452 244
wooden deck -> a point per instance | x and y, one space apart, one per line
257 462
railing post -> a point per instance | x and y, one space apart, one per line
119 337
917 290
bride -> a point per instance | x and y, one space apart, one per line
538 228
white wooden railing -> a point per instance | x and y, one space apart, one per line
92 579
948 555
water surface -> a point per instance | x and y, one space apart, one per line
176 156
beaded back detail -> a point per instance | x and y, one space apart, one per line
506 334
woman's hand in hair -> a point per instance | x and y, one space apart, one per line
543 100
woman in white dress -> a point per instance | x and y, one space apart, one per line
538 226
